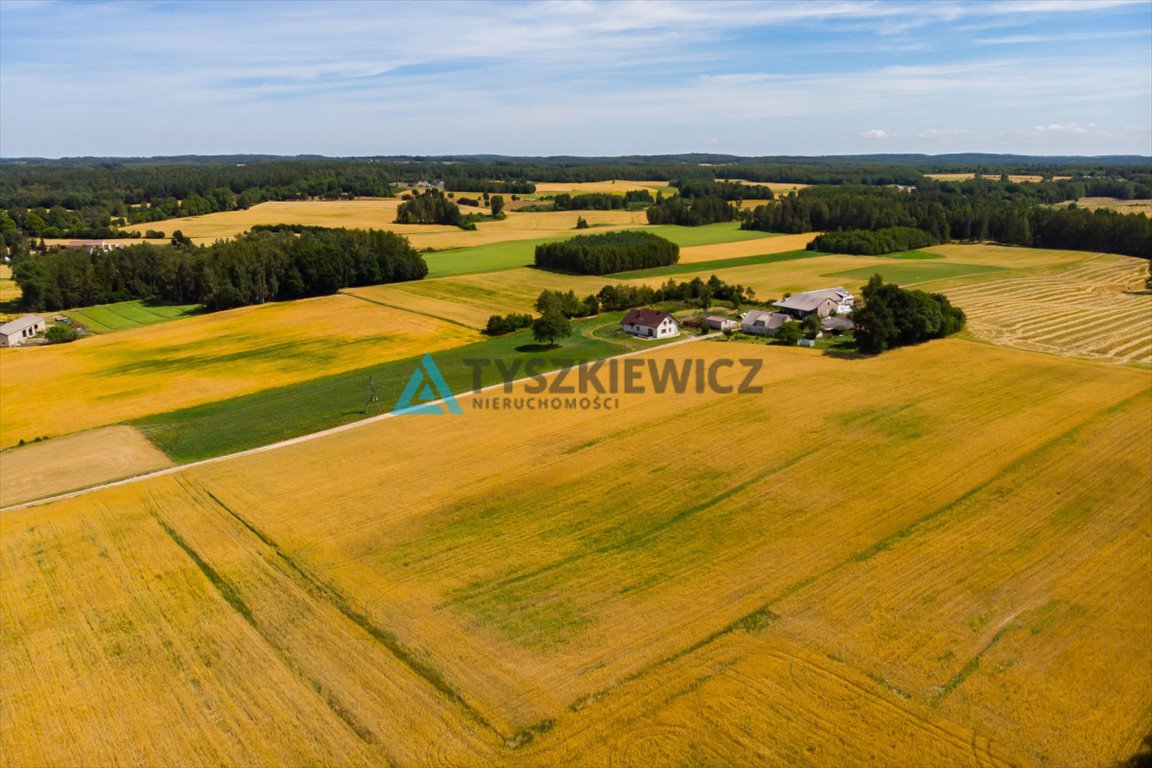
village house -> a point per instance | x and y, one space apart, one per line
822 303
763 323
650 323
92 246
718 323
16 332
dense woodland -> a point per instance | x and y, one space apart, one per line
869 242
267 264
691 212
607 253
1016 214
92 197
889 316
430 207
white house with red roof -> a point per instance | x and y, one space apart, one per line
650 323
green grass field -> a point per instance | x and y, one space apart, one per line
907 274
521 253
698 266
277 414
121 316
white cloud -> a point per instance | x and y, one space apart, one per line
875 133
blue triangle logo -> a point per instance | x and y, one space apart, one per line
427 393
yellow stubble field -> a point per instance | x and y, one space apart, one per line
381 213
619 589
1075 303
75 461
47 391
471 299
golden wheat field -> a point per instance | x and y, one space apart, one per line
47 391
75 461
936 555
1113 204
741 248
381 213
470 299
614 186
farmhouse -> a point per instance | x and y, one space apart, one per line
717 323
92 246
822 303
15 333
763 323
650 323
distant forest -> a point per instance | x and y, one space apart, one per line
93 197
266 264
978 209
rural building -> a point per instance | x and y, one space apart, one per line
95 245
15 333
650 323
762 322
717 323
836 325
822 303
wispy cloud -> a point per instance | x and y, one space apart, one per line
572 77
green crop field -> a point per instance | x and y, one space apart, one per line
236 424
521 253
123 315
919 272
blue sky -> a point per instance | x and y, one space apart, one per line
581 78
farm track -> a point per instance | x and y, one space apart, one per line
283 443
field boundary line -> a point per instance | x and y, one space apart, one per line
405 309
320 434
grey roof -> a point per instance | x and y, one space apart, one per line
768 320
19 324
809 300
836 324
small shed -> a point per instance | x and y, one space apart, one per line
717 323
18 331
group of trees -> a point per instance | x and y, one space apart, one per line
725 190
1017 214
267 264
868 242
890 316
460 184
614 298
691 212
429 207
607 253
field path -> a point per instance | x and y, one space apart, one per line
303 438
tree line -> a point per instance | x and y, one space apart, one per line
971 211
868 242
266 264
691 212
613 298
430 207
724 189
606 253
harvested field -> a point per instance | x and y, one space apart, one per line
38 470
761 245
617 186
1096 308
741 606
1113 204
471 298
107 379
